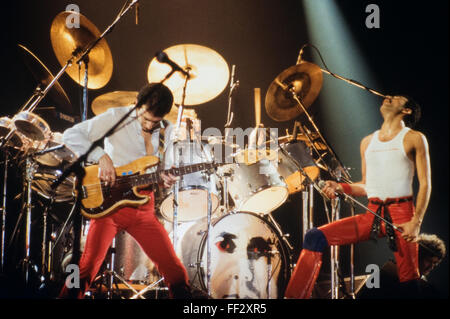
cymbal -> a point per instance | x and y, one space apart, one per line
124 98
301 137
113 99
66 40
306 80
208 70
42 74
172 116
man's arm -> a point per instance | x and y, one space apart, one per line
421 160
355 189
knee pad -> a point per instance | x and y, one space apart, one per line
315 240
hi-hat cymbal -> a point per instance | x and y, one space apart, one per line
306 80
42 74
113 99
66 40
208 71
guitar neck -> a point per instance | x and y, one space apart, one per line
154 178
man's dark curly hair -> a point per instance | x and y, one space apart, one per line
412 119
156 98
435 247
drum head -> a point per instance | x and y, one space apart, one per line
248 258
192 204
32 126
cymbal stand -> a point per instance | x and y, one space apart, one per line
338 174
44 240
3 208
84 109
26 263
336 216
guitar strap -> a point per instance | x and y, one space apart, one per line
162 144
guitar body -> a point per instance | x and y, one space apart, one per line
100 200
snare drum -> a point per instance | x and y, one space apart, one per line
32 126
249 259
257 188
194 188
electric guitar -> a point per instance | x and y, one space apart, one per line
99 200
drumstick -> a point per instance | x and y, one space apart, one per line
257 106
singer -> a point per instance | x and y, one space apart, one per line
145 133
390 156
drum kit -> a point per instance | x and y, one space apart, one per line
221 222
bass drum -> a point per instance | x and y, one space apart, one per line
248 257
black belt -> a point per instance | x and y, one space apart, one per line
376 225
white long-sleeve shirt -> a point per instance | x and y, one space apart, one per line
125 145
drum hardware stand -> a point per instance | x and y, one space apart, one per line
143 291
26 263
3 208
112 274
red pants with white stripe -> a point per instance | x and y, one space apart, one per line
142 224
352 230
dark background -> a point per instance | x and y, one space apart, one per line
409 54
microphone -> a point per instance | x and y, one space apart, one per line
48 150
162 57
321 184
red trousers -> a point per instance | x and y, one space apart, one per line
142 224
352 230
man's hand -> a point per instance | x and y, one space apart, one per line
168 179
106 171
410 229
331 188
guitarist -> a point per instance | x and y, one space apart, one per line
144 133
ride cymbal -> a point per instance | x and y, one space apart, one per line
42 74
66 41
208 73
306 81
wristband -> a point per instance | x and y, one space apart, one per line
346 188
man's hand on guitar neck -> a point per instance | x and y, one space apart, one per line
168 180
106 171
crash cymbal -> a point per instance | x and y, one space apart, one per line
42 74
208 71
113 99
306 79
66 40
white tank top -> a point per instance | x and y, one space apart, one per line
389 171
